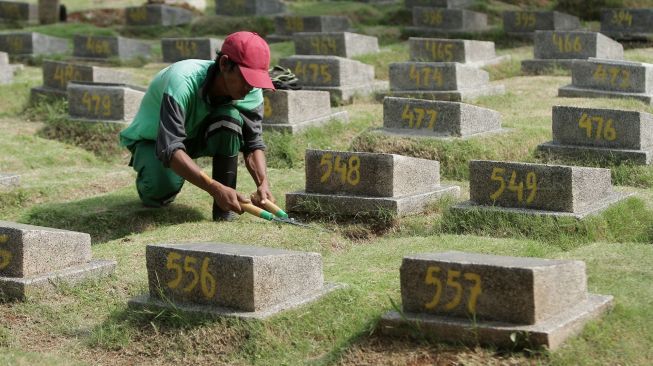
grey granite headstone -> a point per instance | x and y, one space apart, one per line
527 22
232 279
343 44
6 69
19 11
342 77
101 48
437 118
481 298
294 110
559 48
9 180
103 102
444 21
249 7
474 53
34 256
48 11
449 81
622 135
26 44
351 183
157 14
627 23
287 25
451 4
599 78
539 188
177 49
57 75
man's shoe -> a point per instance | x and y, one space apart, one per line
219 215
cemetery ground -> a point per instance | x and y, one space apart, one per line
77 179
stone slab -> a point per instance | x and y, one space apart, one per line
341 116
438 118
458 20
328 71
451 4
31 286
343 44
288 25
149 302
19 11
240 277
639 157
464 95
102 48
369 174
57 74
627 23
27 250
23 44
341 95
104 101
9 180
49 11
294 110
576 45
551 333
526 22
249 7
357 206
538 186
157 14
436 76
569 91
490 287
474 53
177 49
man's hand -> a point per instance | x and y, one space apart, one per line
262 195
227 198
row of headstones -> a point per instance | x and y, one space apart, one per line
452 295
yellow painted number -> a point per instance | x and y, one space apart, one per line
323 45
349 172
267 107
316 72
525 20
65 74
604 129
424 75
614 76
138 14
186 48
415 117
567 43
531 185
208 284
440 50
15 44
96 104
10 10
294 24
622 18
5 255
453 281
433 17
97 46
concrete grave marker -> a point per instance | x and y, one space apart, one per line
526 22
177 49
157 14
618 134
436 118
442 21
57 74
27 44
103 102
354 183
287 25
473 53
48 11
9 180
449 81
560 48
480 298
7 70
18 11
598 78
231 280
32 258
541 189
101 48
451 4
341 77
249 7
343 44
627 23
294 110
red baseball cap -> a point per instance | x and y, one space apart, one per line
252 54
